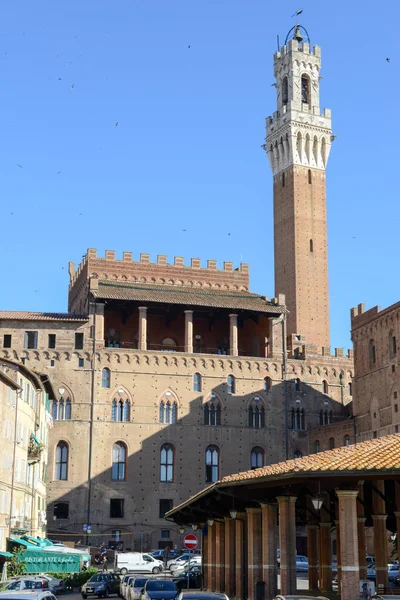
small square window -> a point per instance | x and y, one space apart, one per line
165 533
396 429
7 340
52 363
165 505
51 343
31 338
375 434
396 408
393 368
117 508
78 341
81 362
61 510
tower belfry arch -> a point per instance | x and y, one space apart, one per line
298 141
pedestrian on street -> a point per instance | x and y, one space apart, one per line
105 564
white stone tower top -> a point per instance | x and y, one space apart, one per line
298 134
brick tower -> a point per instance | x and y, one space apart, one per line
298 143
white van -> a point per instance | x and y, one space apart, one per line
136 562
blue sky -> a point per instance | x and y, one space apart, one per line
186 152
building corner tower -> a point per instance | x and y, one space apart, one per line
298 142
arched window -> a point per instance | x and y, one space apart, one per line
68 409
256 413
285 91
105 378
212 411
114 410
54 410
298 418
61 409
298 385
309 176
372 351
212 464
127 411
298 454
197 382
311 246
168 409
118 472
231 384
174 412
62 461
316 446
166 463
331 443
257 457
325 387
346 440
321 417
305 89
120 410
267 384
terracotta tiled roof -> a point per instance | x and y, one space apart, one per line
39 316
183 295
377 455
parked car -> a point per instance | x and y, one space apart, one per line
27 583
184 595
295 597
27 595
182 562
135 588
161 553
193 577
101 585
393 571
301 563
124 585
130 562
56 586
160 589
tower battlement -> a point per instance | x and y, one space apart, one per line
295 46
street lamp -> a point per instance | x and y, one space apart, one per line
181 530
317 502
210 522
194 526
233 512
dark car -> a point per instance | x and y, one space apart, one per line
157 589
101 585
184 595
193 576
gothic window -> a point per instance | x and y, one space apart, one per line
231 384
346 440
212 412
166 463
372 351
325 387
62 461
321 417
105 378
120 410
257 458
114 410
61 409
323 151
331 443
212 464
285 91
305 89
197 382
168 411
256 413
267 384
298 418
127 411
316 446
298 385
118 472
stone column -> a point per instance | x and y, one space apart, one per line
233 336
325 556
220 556
287 543
189 331
269 545
142 338
362 550
212 560
350 578
229 557
380 535
338 554
312 547
99 322
205 560
253 551
239 555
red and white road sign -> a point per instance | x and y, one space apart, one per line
190 541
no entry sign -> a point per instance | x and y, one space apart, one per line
190 541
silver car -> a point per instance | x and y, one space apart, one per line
135 588
27 595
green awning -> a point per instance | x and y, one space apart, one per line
37 561
6 554
21 542
35 438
